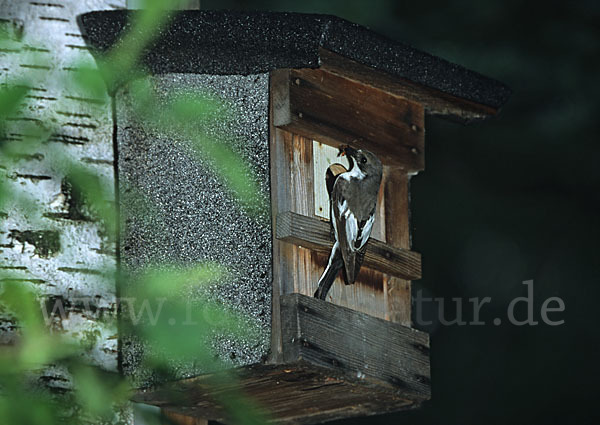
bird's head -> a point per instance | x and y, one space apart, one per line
366 161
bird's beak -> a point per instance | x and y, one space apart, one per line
347 150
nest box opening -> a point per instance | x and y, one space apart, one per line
325 156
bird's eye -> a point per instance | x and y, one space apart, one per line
363 160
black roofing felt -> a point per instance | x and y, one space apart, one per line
224 42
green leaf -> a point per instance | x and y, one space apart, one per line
97 391
90 82
94 192
11 98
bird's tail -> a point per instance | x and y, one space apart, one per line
352 267
333 268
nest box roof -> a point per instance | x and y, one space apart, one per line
225 42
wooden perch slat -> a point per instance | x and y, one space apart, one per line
314 234
337 110
328 335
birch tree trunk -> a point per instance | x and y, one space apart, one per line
55 246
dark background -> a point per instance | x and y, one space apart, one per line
510 199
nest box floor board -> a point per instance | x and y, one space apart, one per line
298 393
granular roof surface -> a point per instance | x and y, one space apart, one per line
226 42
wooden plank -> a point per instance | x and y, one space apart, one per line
173 418
182 5
335 110
338 363
397 229
302 199
315 234
280 97
328 335
434 101
295 393
294 269
279 147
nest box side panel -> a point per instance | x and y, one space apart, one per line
176 209
397 292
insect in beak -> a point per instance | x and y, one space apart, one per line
346 150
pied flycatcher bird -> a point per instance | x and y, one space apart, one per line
352 203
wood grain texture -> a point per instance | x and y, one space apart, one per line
313 233
303 202
336 363
367 294
173 418
358 344
434 101
183 5
336 110
298 265
279 145
297 269
280 97
295 393
397 223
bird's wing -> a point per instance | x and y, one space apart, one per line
364 231
356 232
351 234
331 175
339 219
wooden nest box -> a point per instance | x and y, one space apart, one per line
306 84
